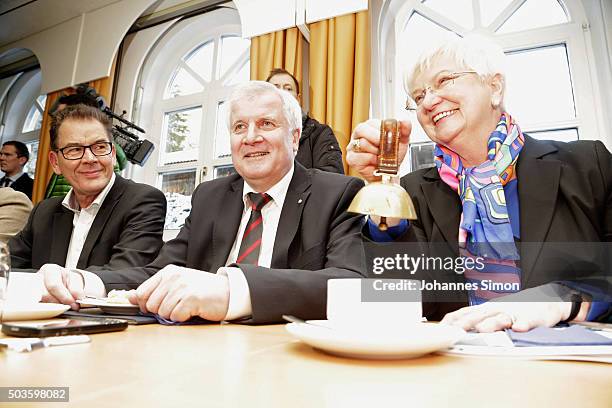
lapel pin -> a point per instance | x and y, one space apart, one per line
300 201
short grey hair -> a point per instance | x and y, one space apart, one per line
474 52
291 108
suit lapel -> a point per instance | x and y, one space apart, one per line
291 215
438 196
227 223
102 217
538 185
61 232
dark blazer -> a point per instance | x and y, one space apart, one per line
316 240
565 196
319 148
126 232
24 184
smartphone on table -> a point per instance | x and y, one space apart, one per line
62 327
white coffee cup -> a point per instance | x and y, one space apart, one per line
345 306
23 288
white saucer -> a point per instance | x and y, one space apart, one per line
380 343
32 311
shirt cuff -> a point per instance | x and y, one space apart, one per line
598 309
239 294
92 284
390 235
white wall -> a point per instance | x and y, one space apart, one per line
83 48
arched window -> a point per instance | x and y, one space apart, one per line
21 112
186 80
549 86
34 117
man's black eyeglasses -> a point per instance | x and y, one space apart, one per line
77 152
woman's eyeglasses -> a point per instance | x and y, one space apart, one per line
442 82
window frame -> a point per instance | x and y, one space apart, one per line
164 58
18 96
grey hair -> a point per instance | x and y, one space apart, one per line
474 52
291 108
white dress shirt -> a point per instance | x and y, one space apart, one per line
82 222
240 296
13 178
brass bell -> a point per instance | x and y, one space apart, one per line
385 198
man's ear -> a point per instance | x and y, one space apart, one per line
114 154
22 161
295 140
53 159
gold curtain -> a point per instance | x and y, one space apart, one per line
281 49
44 171
340 74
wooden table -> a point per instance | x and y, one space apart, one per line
242 366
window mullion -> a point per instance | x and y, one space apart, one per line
216 58
440 20
193 73
233 69
505 14
476 13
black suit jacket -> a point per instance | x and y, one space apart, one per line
126 232
24 184
316 240
565 196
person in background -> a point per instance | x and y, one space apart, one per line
13 157
495 188
14 210
318 148
105 222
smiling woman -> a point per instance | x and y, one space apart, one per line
556 52
473 201
463 98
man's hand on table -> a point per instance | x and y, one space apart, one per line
178 293
66 286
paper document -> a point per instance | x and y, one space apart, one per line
572 343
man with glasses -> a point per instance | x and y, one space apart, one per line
105 222
13 157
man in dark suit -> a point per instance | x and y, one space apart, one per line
226 263
104 223
13 157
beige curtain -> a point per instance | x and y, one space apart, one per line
44 171
340 73
281 49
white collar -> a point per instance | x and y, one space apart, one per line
277 191
14 177
71 203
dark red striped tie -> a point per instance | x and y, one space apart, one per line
251 240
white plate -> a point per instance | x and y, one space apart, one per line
379 343
109 307
32 311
